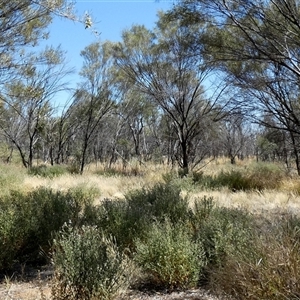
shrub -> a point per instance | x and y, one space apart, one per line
256 177
47 171
116 218
27 222
168 256
117 171
130 218
158 202
222 232
88 265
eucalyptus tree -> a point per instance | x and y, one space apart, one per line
163 65
23 24
94 98
257 43
234 133
26 101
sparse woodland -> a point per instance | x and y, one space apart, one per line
174 165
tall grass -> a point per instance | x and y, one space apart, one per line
270 270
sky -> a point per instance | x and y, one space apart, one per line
110 18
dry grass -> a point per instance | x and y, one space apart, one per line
109 186
286 198
255 201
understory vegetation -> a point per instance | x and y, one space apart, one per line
159 236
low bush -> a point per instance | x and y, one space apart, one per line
27 222
258 176
222 232
265 176
234 180
168 256
117 171
160 201
88 265
130 218
47 171
116 218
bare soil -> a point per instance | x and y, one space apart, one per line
36 285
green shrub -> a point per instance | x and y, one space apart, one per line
27 222
10 236
168 256
256 177
169 177
130 218
158 202
116 218
47 171
200 212
222 231
88 265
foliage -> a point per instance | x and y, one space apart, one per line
258 176
271 272
160 201
47 171
130 218
265 175
222 232
169 257
115 171
88 265
28 221
115 218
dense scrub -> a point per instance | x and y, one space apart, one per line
153 237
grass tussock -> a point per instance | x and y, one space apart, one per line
11 178
270 270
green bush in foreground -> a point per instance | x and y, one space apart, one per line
88 265
158 202
222 232
169 258
28 221
131 218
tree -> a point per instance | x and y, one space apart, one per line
163 66
27 101
94 99
233 136
23 23
257 44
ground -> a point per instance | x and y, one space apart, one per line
36 285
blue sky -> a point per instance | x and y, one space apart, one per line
111 18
